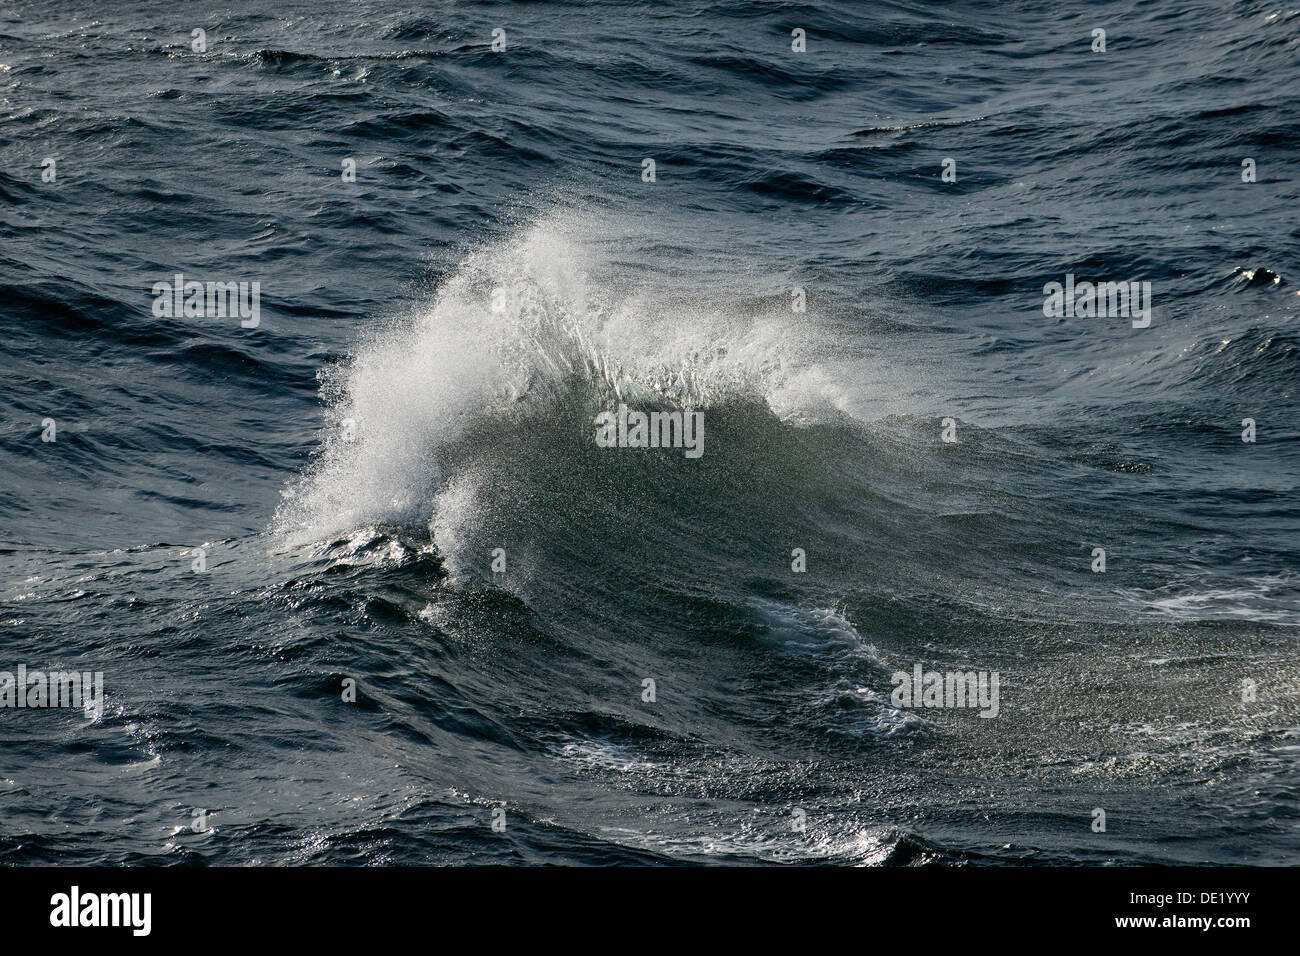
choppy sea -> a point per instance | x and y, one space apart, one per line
364 589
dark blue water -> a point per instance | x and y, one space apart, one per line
436 337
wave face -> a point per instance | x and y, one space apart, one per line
361 579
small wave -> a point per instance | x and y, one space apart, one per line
826 635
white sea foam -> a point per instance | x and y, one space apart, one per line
525 318
1270 598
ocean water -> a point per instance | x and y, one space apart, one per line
364 589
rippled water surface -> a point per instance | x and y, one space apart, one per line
436 338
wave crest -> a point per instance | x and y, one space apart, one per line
546 316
